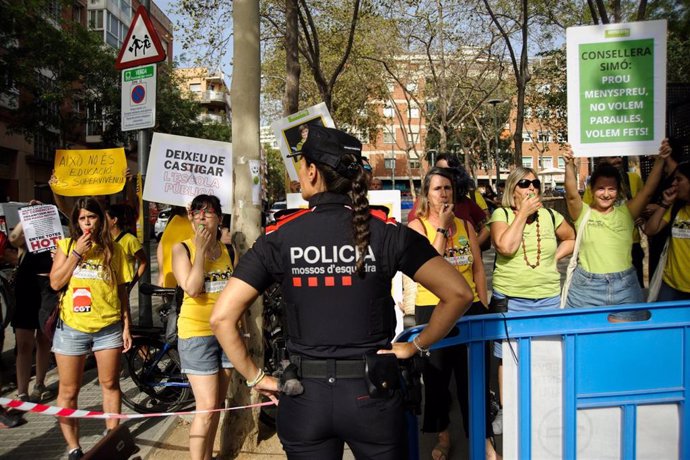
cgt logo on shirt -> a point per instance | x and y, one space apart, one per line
81 300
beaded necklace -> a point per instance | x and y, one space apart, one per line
524 250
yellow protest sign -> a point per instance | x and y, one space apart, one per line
89 172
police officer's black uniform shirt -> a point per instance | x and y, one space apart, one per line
332 312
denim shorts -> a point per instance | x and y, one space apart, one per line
524 304
71 342
607 289
202 355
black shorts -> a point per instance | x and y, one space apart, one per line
30 297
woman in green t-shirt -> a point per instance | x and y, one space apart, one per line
605 274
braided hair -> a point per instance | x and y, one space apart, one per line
350 178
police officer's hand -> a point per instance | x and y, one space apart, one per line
268 386
402 350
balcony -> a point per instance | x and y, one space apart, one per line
214 97
212 118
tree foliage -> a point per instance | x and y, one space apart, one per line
64 74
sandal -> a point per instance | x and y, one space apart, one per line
443 451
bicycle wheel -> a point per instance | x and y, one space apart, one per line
152 381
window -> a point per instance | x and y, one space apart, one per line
414 163
195 87
561 162
544 136
413 134
389 135
77 11
413 112
411 87
52 10
388 110
96 19
527 162
561 137
546 163
528 112
526 136
45 146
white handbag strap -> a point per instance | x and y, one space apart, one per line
573 258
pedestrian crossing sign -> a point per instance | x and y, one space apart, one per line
142 45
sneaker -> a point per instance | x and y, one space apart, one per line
75 454
40 393
23 397
497 424
11 419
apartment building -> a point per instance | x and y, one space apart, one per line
210 89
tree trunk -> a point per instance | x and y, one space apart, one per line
241 427
292 67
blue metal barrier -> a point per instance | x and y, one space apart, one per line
606 363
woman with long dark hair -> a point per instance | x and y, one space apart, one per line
335 262
202 266
91 273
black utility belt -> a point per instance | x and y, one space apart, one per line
327 368
381 372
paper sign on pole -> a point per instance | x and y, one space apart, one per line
138 98
181 168
42 228
291 134
89 172
616 88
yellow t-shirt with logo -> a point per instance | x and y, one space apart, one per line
636 185
459 255
131 245
196 311
677 270
89 302
607 240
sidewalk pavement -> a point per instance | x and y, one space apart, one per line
41 438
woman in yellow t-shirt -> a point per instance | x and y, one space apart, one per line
675 210
456 241
119 226
202 266
92 274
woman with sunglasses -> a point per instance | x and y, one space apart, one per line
605 274
202 266
529 241
675 211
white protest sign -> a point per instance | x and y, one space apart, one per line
391 200
42 228
616 88
291 134
181 168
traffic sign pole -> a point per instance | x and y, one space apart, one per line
143 147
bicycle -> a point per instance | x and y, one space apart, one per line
153 365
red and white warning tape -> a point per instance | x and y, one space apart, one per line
77 413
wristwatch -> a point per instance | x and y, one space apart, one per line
443 231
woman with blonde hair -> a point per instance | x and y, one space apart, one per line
529 240
456 242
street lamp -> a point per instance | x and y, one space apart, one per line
494 102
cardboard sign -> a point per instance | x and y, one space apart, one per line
291 133
89 172
181 168
42 228
616 88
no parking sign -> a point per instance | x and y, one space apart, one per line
139 97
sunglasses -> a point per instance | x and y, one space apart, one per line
367 167
525 183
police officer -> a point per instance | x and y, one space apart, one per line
335 261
